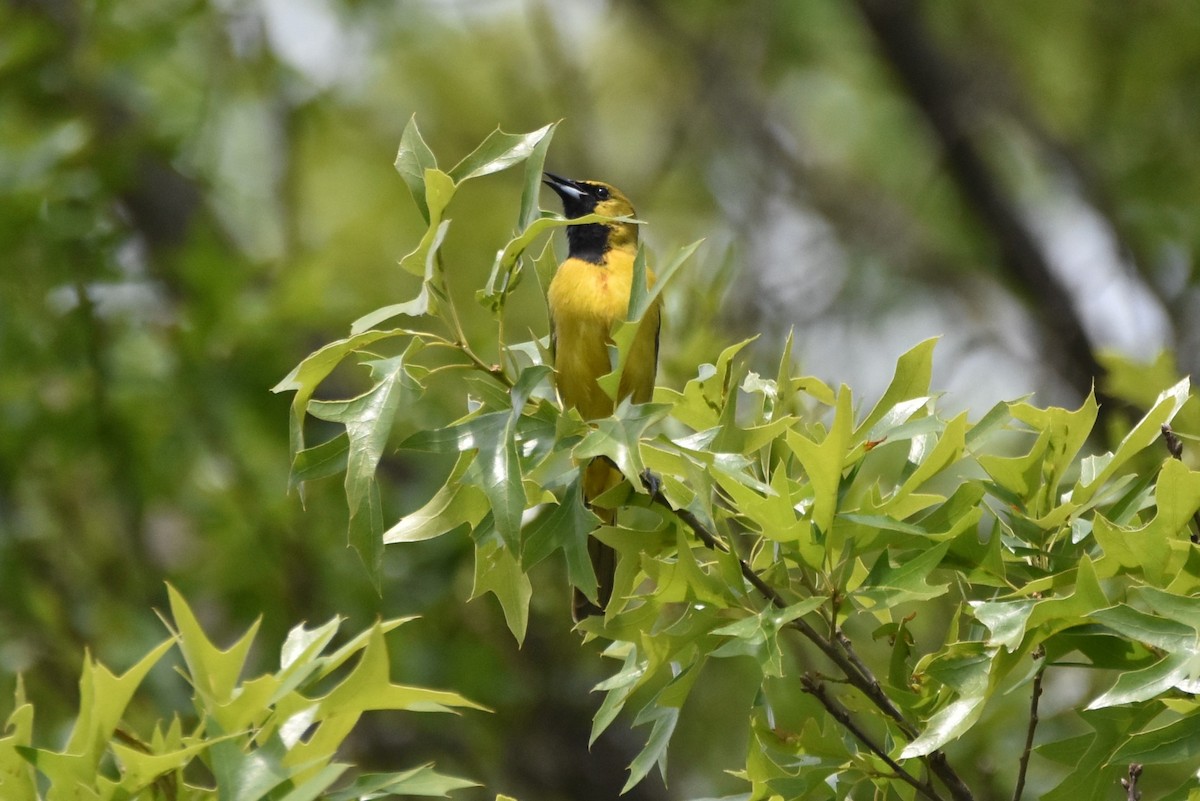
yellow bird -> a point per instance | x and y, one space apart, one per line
589 294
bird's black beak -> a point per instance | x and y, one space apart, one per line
570 191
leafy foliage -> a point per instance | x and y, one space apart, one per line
889 570
275 736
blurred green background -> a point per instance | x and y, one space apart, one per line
194 195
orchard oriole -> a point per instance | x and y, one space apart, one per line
589 294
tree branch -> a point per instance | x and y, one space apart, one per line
925 74
1033 722
816 689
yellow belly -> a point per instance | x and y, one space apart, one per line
586 300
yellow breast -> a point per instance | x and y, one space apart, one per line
586 300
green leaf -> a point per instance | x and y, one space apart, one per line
887 585
618 687
773 512
757 635
1018 476
317 783
330 663
1181 609
369 687
451 506
1177 742
663 713
250 775
422 260
368 419
419 306
470 434
968 672
1005 620
16 774
619 439
1160 547
1179 670
1092 776
499 151
1064 433
412 160
703 398
1071 610
422 781
1177 635
911 380
896 417
1097 470
994 420
899 666
300 655
823 461
1159 632
566 527
321 461
214 673
532 184
544 265
643 294
497 471
139 770
947 452
497 571
365 531
308 375
102 703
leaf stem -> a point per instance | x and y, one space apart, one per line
476 363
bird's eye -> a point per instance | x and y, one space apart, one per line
602 192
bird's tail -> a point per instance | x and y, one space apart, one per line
599 476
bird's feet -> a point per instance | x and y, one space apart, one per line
652 483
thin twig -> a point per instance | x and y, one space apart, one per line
1175 448
460 335
476 363
858 674
814 687
1033 722
1132 793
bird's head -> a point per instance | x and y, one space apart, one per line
580 198
587 197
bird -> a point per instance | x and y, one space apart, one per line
587 296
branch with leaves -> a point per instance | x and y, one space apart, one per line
271 737
762 504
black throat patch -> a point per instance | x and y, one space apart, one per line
588 242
